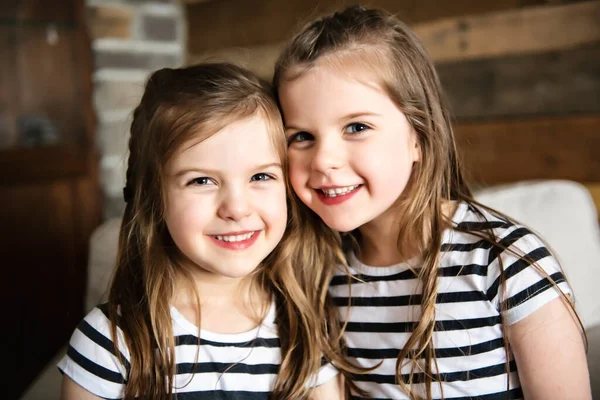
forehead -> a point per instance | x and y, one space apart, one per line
328 91
239 144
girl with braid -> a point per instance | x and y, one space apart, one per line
217 293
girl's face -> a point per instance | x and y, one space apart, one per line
351 150
226 199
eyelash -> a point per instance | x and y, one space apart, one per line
199 181
269 177
294 137
357 124
196 181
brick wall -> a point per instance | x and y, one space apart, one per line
130 39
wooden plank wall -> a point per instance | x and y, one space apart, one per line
522 77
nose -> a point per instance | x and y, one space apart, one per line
329 155
234 204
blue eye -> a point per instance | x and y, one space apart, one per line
201 181
260 177
356 127
300 137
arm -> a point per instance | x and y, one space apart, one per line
550 355
72 391
333 389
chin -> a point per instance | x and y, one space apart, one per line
341 226
240 272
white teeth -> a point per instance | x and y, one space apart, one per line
339 191
235 238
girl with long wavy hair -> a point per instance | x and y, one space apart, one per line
445 298
216 293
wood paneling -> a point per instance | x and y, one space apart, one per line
8 130
229 23
522 31
42 164
45 266
60 102
535 148
549 83
525 32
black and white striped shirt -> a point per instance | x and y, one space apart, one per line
229 366
468 337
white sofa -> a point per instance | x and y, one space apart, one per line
561 211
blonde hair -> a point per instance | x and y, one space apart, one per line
179 105
379 43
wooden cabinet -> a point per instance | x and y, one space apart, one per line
49 191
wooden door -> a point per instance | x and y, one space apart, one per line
49 191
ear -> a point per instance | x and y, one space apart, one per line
415 146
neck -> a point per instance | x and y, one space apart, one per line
379 245
227 305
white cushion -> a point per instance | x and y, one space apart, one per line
564 214
102 260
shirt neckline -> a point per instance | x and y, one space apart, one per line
415 262
267 322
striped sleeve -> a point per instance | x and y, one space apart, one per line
527 288
91 361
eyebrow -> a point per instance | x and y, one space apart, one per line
359 114
215 172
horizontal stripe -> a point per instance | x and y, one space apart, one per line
475 226
102 341
493 370
453 270
486 244
513 394
538 287
191 340
447 352
396 301
449 325
480 244
344 279
507 242
511 270
236 368
94 368
223 395
463 270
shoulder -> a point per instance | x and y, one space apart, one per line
522 274
92 361
493 231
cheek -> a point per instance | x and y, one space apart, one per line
274 207
186 214
298 172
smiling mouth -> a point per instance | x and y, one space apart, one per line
340 191
235 238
